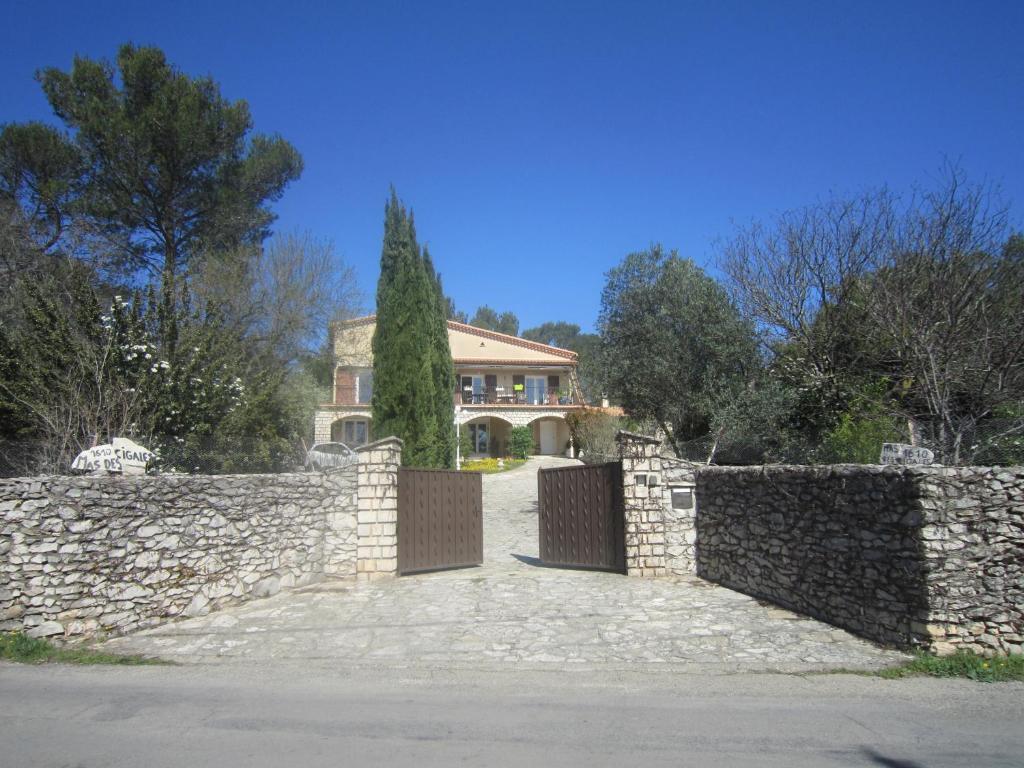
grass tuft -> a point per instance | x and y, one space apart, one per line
960 664
15 646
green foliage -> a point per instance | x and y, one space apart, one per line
442 367
412 366
15 646
672 342
858 438
214 401
158 184
921 291
586 346
593 432
520 442
170 167
487 318
961 664
40 172
465 443
750 422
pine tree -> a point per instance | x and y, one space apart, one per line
410 356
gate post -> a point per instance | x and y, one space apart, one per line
642 504
377 508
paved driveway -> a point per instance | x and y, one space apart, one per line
513 613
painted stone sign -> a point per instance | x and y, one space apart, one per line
905 455
121 456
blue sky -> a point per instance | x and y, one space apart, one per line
538 143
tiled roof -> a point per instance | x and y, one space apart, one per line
503 338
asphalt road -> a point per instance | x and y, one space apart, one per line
314 716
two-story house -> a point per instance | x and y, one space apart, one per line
502 382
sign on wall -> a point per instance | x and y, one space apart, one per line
121 456
905 455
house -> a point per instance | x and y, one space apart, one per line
502 382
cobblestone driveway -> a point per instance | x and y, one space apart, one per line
513 613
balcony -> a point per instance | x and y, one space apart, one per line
533 396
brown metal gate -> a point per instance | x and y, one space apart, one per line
581 516
440 519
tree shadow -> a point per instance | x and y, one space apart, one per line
890 762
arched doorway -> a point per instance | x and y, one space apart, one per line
551 436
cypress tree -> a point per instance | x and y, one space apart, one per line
443 368
407 355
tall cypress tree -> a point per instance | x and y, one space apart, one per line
407 354
443 368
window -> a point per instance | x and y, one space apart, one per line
536 390
354 433
478 437
364 388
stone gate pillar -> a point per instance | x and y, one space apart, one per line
643 504
377 508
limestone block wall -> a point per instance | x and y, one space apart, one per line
643 504
87 555
377 516
927 557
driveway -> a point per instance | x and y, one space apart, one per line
514 613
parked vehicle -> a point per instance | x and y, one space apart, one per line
329 456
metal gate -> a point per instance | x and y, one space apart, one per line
440 519
581 516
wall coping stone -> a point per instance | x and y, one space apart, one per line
625 436
384 441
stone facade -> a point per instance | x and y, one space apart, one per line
921 556
378 508
516 415
643 504
84 555
326 416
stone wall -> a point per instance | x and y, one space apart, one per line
643 504
972 534
678 491
378 508
926 557
87 555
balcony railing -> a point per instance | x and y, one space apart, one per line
508 396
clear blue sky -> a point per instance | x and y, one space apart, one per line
538 143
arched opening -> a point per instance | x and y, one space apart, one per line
487 436
353 431
550 436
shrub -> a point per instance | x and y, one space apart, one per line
593 432
465 444
520 442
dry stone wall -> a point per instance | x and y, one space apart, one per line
87 555
972 537
921 556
